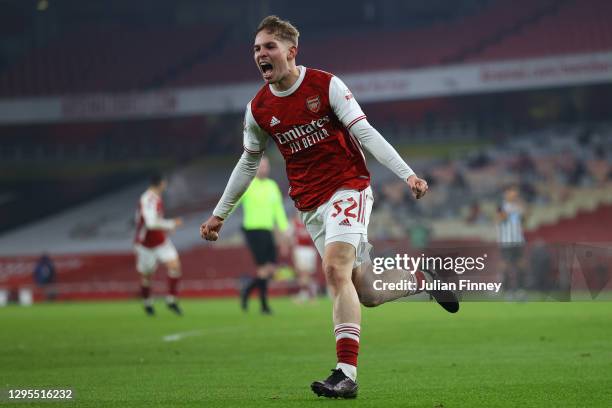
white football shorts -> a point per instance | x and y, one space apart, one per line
147 258
344 218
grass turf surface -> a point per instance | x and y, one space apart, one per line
413 354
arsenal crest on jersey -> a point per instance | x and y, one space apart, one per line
313 103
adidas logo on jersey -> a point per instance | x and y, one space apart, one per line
345 222
274 121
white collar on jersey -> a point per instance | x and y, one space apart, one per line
294 87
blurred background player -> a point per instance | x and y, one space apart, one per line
151 244
510 218
263 209
44 276
304 257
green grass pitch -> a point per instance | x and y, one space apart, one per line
413 354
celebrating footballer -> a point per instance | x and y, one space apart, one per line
321 131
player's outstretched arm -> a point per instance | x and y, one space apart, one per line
386 154
350 114
239 181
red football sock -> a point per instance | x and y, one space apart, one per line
173 286
145 292
347 347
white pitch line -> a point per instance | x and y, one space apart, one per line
180 336
194 333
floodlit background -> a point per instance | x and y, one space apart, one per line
476 95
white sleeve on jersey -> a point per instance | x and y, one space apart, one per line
350 114
382 150
152 218
344 104
239 181
255 140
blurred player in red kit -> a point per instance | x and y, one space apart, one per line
320 130
151 244
304 257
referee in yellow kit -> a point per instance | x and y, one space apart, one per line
263 208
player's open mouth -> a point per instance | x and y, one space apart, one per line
266 69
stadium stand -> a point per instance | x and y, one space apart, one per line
399 49
107 141
106 58
111 58
69 163
577 26
561 172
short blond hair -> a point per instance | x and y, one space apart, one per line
282 29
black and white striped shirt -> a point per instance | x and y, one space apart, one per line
510 230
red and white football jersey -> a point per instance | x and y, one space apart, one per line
310 124
151 226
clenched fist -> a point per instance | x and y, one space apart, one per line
417 185
209 230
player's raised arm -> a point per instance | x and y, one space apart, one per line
350 114
254 144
